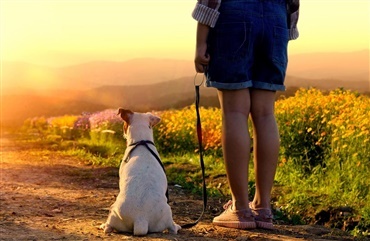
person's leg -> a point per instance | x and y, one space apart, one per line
235 107
266 145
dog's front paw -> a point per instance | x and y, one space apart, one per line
106 228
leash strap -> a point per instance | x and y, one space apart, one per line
199 134
145 143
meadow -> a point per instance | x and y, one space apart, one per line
323 175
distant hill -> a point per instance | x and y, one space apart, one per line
161 96
17 108
16 76
19 76
171 94
132 72
352 66
328 84
149 84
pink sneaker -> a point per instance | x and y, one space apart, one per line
263 217
241 219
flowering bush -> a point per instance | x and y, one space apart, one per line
106 125
177 131
39 124
325 151
315 127
63 126
82 125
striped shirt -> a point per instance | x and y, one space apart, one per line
206 12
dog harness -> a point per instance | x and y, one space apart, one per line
145 143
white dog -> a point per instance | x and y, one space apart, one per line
141 205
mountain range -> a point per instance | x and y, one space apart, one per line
151 84
18 76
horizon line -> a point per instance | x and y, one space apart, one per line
153 58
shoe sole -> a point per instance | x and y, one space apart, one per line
237 225
265 225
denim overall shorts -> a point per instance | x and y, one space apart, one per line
248 45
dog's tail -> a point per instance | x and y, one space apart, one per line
140 227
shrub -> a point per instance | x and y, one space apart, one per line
106 126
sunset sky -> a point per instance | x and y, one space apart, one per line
64 32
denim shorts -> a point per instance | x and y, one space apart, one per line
248 45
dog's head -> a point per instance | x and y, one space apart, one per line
138 126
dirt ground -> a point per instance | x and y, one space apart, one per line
49 197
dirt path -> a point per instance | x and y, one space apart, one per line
48 197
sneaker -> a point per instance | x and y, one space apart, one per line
263 217
240 219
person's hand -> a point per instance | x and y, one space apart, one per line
201 58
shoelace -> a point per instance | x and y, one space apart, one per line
246 213
263 213
228 204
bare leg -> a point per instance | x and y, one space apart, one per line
235 107
266 144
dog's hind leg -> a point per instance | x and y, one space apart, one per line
174 228
141 227
114 222
106 227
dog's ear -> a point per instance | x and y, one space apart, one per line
125 114
153 120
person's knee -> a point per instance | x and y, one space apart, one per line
262 118
235 115
262 104
234 102
262 112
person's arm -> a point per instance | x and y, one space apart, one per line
206 13
201 55
293 12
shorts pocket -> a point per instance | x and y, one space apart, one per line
231 39
280 46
